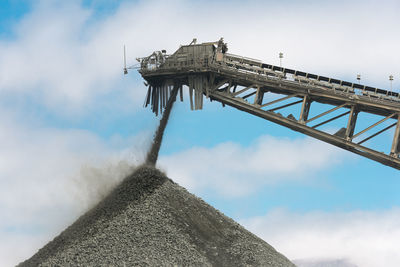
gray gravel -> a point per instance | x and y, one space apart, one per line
149 220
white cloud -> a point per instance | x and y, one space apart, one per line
63 59
66 59
234 170
364 238
48 177
64 55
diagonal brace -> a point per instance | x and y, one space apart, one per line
377 133
332 119
287 105
373 125
242 90
324 113
278 100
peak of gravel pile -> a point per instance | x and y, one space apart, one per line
148 220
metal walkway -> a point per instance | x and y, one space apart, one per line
252 86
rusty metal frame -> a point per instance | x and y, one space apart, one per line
263 78
389 160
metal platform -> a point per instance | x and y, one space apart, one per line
252 86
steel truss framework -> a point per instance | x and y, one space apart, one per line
343 138
246 87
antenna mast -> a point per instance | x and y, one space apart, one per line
125 69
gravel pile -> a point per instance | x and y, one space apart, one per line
148 220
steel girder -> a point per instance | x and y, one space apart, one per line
246 86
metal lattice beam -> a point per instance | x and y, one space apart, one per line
247 81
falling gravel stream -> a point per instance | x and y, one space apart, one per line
152 155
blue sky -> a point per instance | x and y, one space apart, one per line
70 117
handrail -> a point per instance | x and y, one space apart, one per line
337 86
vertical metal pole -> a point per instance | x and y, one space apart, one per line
191 92
228 89
125 69
391 83
256 98
181 93
396 144
351 123
305 109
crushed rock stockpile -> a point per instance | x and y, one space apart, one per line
148 220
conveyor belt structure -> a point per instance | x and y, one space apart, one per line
265 90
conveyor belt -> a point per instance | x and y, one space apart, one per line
315 77
243 82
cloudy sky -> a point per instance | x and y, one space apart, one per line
72 125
